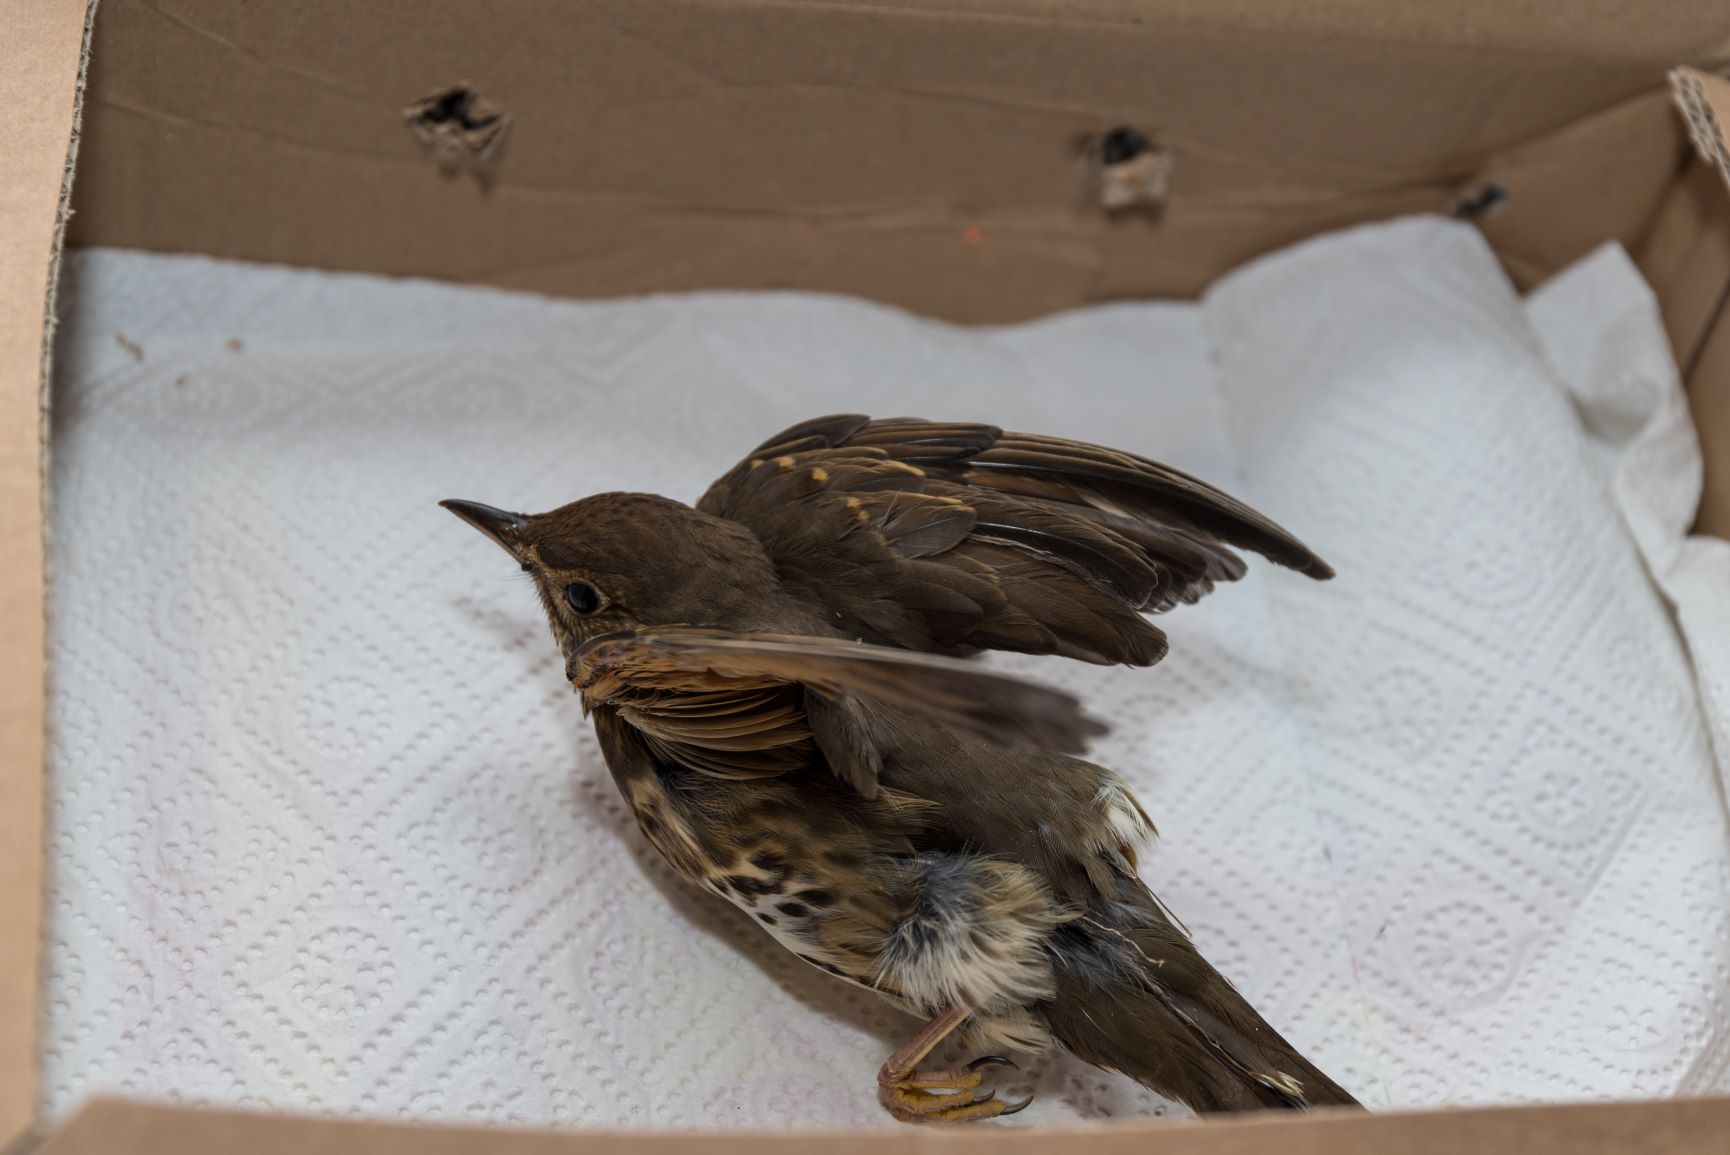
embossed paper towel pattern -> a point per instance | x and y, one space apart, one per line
328 832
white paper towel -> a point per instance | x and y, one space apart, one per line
328 832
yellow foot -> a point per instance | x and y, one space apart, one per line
945 1096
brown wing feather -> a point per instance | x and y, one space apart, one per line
755 705
749 729
954 537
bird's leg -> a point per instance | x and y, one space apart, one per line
907 1093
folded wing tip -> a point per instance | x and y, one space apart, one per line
1067 728
1090 728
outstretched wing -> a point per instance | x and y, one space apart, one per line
957 537
755 705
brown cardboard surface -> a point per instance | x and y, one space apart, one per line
1688 249
921 153
1685 256
1602 177
1709 397
1686 259
1675 1128
1659 29
1706 103
39 65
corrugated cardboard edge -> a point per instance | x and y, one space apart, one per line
62 216
42 60
1705 103
1702 265
1674 1127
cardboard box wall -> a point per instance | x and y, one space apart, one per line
927 153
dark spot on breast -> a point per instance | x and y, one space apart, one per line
766 919
746 885
793 909
768 860
818 897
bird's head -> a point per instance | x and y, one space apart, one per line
624 561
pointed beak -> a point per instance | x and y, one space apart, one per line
497 524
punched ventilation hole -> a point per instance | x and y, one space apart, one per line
462 128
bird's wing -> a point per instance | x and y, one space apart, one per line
956 537
752 705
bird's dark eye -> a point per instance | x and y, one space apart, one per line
582 597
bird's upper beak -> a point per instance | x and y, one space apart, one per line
498 524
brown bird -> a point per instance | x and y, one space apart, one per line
778 682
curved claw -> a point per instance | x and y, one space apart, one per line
948 1096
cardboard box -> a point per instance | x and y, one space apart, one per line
844 146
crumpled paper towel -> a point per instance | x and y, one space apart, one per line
329 834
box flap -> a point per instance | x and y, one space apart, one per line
928 154
1684 1127
1686 258
41 54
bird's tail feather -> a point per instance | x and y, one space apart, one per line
1134 995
